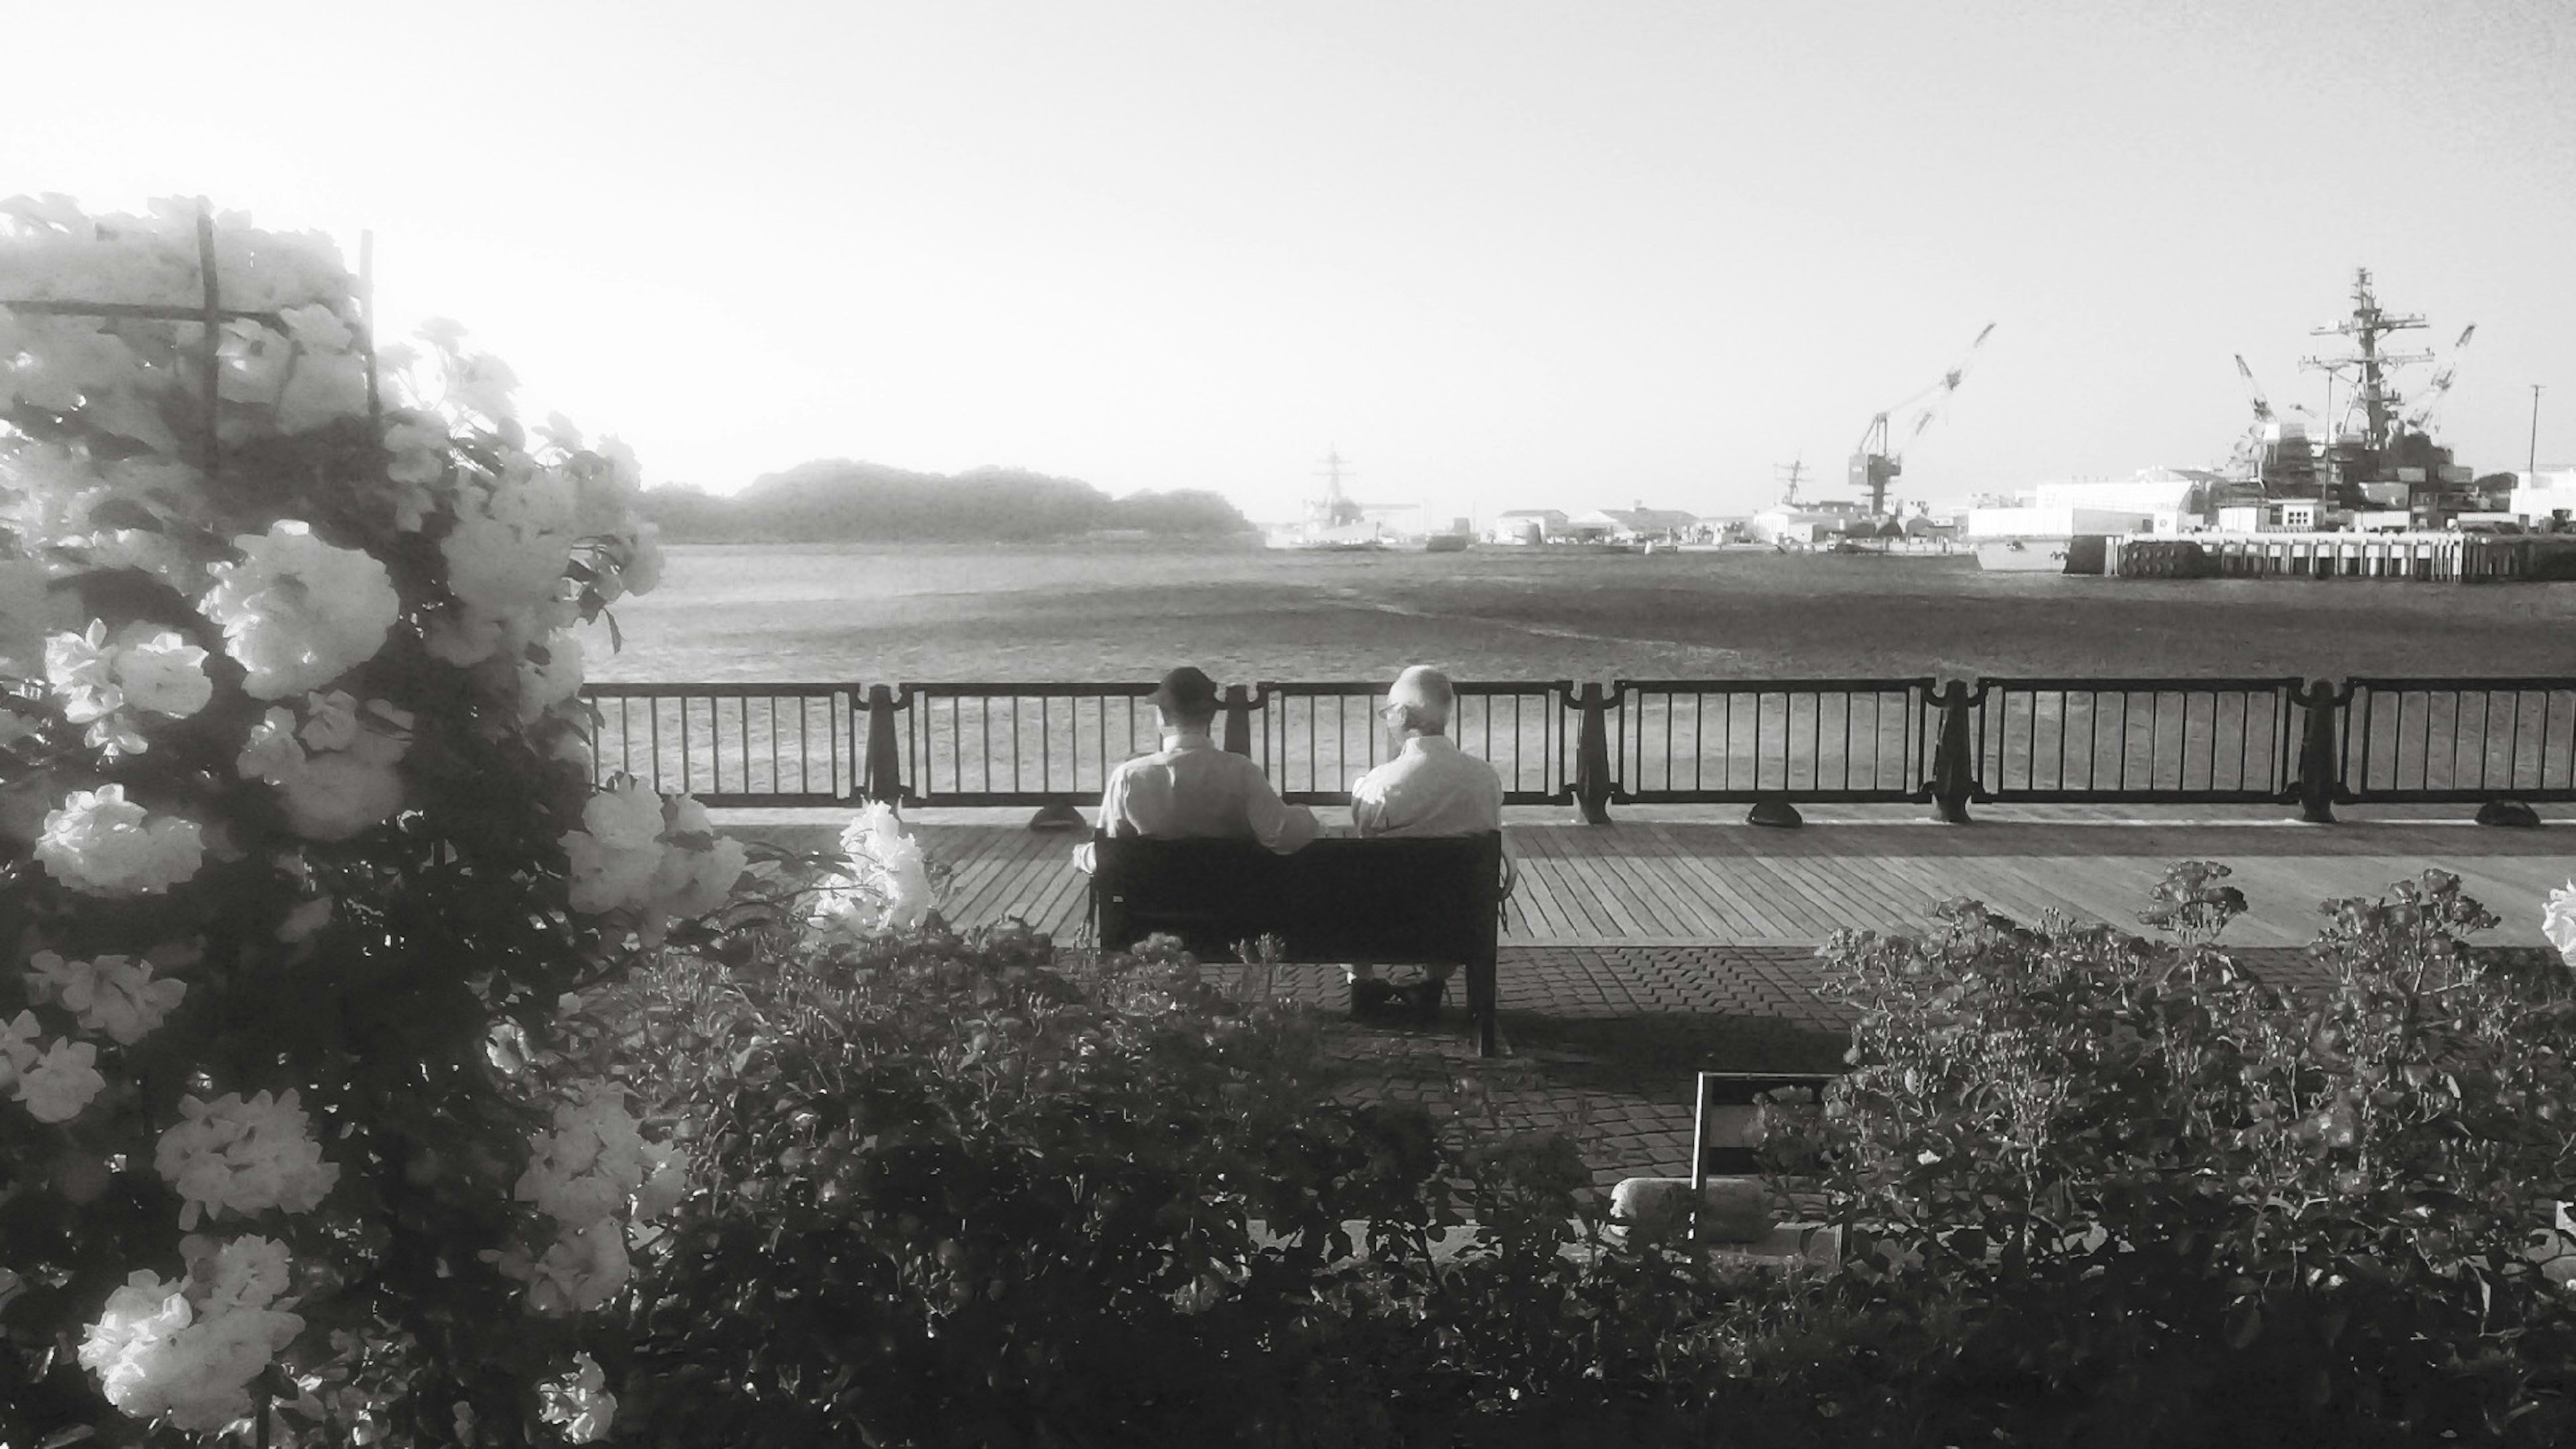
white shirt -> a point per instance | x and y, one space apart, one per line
1431 787
1191 790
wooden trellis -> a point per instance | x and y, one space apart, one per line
212 314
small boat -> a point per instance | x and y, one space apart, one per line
2023 555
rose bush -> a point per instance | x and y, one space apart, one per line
293 788
2105 1190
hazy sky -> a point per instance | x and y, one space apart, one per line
1499 253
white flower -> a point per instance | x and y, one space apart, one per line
584 1269
232 1156
543 686
62 1081
158 1354
887 885
271 753
298 613
2558 922
230 1273
624 816
579 1402
102 844
18 1049
605 878
340 795
161 672
665 1183
131 1345
590 1164
330 721
110 994
80 668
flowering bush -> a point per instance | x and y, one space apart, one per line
296 808
2110 1191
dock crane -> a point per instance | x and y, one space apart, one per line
2439 386
2248 457
1878 460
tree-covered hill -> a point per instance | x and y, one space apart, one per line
837 501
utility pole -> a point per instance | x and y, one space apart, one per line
2531 464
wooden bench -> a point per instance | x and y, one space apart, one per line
1382 902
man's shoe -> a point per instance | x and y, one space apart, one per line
1370 996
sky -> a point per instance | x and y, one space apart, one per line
1497 253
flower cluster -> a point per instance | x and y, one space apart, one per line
335 775
112 994
188 1350
102 844
658 857
348 570
298 613
592 1173
54 1083
243 1157
2558 922
106 684
886 884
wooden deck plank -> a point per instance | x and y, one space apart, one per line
1716 887
1587 916
1666 880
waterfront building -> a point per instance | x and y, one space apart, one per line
2544 495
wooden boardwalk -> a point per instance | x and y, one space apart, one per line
1683 877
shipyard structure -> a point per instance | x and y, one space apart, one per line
2362 490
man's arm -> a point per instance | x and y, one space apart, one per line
1368 806
1278 825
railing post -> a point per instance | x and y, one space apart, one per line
1238 720
885 765
1592 783
2319 767
1954 763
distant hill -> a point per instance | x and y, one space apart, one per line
840 501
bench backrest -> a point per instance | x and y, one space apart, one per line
1382 901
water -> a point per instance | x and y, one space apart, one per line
880 615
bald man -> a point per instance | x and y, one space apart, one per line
1431 787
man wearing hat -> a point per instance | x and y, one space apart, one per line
1190 789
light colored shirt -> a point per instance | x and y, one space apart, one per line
1191 790
1431 787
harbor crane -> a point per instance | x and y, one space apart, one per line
2438 387
1879 459
2248 457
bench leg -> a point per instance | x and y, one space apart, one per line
1480 1004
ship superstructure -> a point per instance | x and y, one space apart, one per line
2378 453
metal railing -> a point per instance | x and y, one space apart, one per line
2447 740
1315 740
731 744
2145 740
1017 744
1819 740
1649 741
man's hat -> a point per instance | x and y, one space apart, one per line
1186 691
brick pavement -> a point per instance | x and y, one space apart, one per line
1602 1041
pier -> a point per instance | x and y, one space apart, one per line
2449 556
